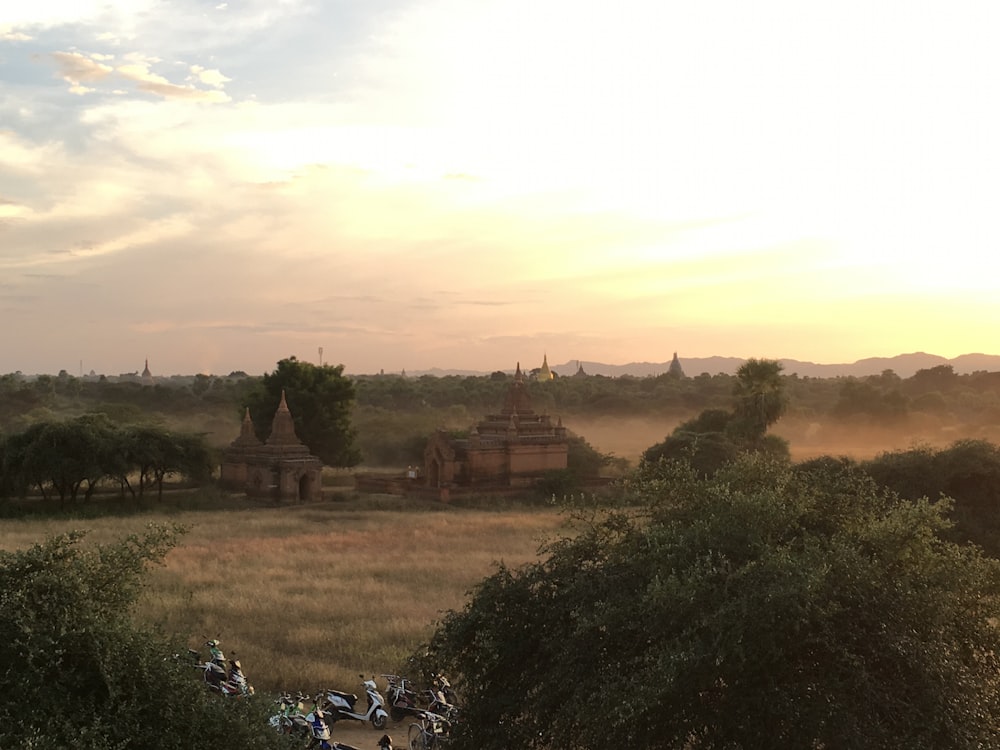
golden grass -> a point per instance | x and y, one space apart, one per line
309 597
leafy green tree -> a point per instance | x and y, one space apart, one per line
178 453
320 400
706 451
715 437
68 460
710 441
938 378
967 472
78 673
765 607
61 459
871 398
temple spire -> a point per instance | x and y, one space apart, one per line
283 426
248 435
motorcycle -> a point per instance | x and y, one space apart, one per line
441 698
342 705
220 674
436 704
237 685
291 716
213 672
320 728
442 685
400 697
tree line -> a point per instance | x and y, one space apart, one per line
939 391
68 460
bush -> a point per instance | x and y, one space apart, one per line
767 606
78 674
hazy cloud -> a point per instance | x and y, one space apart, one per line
79 69
9 35
76 68
209 77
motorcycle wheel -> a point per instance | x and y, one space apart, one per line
396 713
378 721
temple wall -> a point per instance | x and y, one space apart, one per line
537 458
233 474
486 466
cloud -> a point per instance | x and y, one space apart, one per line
7 34
153 83
11 210
17 154
79 69
75 68
209 77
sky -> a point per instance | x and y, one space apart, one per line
411 184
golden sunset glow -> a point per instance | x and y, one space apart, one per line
435 183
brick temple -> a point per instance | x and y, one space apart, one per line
513 448
280 468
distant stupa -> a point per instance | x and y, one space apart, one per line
675 371
147 376
544 373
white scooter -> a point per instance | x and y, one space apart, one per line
341 705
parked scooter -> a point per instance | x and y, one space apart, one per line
320 729
237 685
400 697
436 704
318 726
220 674
213 674
441 698
291 716
442 684
342 705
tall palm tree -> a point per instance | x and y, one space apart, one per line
760 398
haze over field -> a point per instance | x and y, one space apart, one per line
413 184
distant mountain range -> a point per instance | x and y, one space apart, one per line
904 365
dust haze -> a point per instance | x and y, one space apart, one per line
628 437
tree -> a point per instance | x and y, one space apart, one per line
870 398
760 400
154 454
61 458
967 472
766 606
707 451
77 672
320 400
713 439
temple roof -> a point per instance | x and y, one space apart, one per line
248 435
283 426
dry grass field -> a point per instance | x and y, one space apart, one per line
311 596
